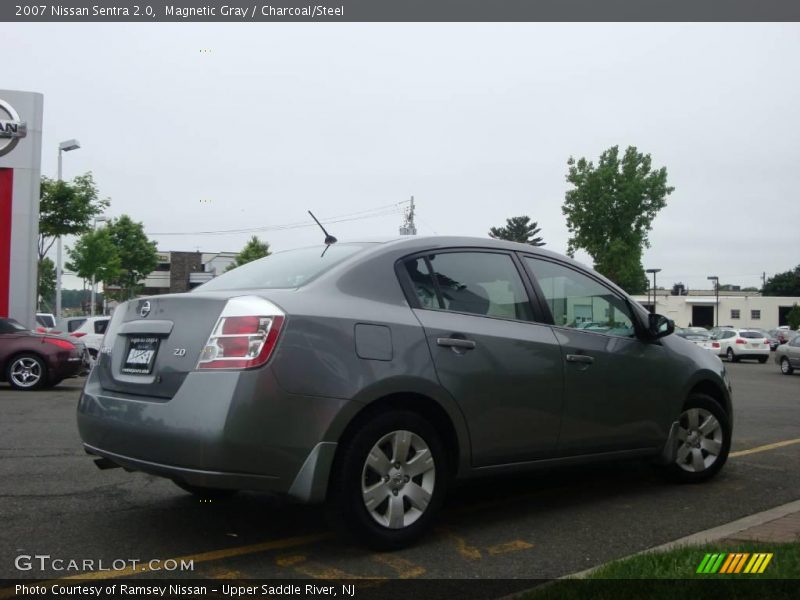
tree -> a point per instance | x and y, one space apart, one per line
137 255
95 255
783 284
47 281
518 229
253 250
610 211
793 317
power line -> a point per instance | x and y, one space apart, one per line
378 211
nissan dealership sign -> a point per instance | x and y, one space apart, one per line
20 171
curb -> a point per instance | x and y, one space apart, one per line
709 535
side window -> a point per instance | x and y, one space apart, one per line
75 324
580 302
481 283
100 326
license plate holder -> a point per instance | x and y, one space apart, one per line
140 356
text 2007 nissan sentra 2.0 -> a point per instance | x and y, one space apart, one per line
370 375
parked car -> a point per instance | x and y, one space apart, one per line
736 344
783 335
370 375
31 360
90 330
773 341
788 355
700 337
46 321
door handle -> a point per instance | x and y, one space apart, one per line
580 358
456 343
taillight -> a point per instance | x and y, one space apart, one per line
65 344
77 334
715 344
244 336
766 341
740 341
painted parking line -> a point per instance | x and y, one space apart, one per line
465 550
513 546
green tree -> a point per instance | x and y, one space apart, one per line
137 256
610 211
253 250
95 255
793 317
518 229
47 281
783 284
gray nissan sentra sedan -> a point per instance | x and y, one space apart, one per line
370 375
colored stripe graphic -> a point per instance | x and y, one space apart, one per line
734 563
6 186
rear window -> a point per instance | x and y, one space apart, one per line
289 269
751 335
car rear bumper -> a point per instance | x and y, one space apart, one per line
236 430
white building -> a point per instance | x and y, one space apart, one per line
736 309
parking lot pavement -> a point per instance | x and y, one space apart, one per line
54 501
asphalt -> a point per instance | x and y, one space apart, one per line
54 501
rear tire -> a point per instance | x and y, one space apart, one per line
731 356
205 493
26 372
786 367
704 441
389 480
762 359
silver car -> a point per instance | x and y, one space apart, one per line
371 375
788 355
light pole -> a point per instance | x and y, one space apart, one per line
715 279
65 146
653 271
94 283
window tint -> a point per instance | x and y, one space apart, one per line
727 335
580 302
480 283
289 269
751 335
100 326
75 324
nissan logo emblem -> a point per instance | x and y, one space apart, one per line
145 309
11 128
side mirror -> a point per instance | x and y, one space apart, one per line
659 326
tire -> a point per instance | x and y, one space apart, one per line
404 492
762 359
703 445
731 356
786 367
205 493
26 372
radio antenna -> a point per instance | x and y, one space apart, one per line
329 239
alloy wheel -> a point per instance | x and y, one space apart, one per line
786 368
26 372
701 438
397 479
731 355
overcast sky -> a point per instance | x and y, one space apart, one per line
194 127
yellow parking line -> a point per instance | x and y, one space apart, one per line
514 546
758 449
405 568
462 547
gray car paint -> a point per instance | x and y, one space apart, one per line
277 427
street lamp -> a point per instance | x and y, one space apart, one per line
653 307
94 283
715 279
65 146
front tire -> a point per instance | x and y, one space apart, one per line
389 480
26 372
786 367
704 441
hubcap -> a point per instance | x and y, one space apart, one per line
397 479
785 365
26 372
730 354
700 435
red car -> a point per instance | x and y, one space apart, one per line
30 360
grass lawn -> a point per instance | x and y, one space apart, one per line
674 573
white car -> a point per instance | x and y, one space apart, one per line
735 344
90 330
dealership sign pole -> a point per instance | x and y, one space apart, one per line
20 167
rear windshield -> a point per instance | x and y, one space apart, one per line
751 335
289 269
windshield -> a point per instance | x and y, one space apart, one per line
289 269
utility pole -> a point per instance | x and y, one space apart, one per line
763 280
409 227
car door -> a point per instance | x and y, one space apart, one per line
615 384
793 352
503 369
